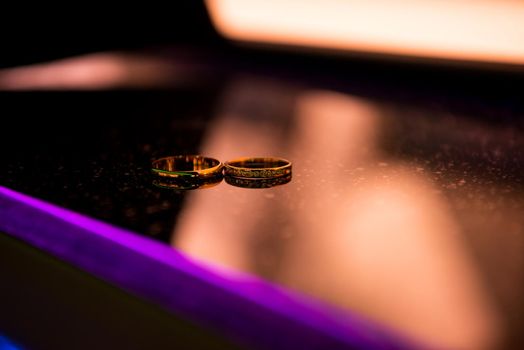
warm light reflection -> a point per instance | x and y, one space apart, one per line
353 227
89 72
482 30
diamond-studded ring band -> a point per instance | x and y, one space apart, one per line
257 167
187 167
257 183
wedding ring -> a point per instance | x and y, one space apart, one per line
257 168
257 183
187 167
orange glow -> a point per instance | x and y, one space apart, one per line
353 227
89 72
482 30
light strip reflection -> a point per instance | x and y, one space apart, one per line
353 227
482 30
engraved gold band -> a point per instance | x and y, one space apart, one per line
187 167
257 168
257 183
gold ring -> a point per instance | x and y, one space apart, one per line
257 168
187 167
257 183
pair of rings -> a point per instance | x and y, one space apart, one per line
194 171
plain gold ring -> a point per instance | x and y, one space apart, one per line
187 167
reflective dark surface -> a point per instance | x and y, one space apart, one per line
404 206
